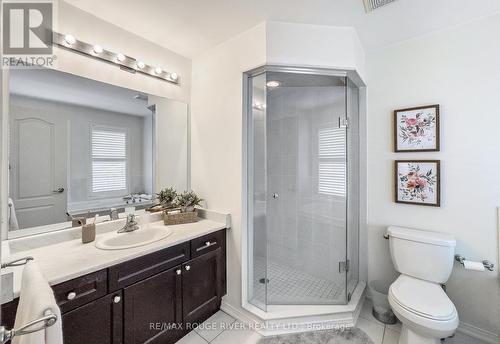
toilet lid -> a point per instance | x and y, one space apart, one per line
423 298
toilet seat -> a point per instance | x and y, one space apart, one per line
423 306
423 298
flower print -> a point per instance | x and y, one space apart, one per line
411 184
415 184
411 121
422 183
413 129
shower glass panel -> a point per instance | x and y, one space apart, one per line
257 181
300 207
353 187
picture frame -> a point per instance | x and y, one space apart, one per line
417 129
418 182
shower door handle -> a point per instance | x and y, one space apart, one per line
276 196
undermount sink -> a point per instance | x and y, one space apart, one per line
143 236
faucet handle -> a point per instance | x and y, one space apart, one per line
130 217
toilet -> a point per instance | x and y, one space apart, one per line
425 261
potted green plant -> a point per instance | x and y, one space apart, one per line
167 198
187 201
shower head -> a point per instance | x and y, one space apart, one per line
372 5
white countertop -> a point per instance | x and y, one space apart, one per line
66 260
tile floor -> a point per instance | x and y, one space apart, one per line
288 285
223 329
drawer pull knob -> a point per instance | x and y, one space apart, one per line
208 243
71 295
117 299
188 267
178 271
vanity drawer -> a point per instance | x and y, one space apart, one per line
79 291
125 274
207 243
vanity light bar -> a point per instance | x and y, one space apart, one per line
126 62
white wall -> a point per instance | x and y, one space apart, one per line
458 68
88 28
216 135
217 121
315 45
91 29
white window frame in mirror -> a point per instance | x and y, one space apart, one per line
112 193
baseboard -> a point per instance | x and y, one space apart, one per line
237 313
478 333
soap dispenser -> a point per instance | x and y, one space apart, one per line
88 231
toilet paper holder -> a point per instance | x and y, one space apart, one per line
486 263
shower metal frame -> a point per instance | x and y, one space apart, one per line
247 155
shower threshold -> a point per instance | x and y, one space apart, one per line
281 319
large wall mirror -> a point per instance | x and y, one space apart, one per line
79 147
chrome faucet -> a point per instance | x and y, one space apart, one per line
130 198
130 226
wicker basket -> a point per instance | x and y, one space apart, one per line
179 218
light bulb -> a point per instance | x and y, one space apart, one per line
140 64
120 57
70 39
158 70
97 49
273 84
173 76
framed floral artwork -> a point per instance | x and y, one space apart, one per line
417 129
418 182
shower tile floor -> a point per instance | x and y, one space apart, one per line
287 285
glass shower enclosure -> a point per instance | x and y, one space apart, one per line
302 166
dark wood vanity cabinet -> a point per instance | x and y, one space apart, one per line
154 299
153 309
99 321
201 287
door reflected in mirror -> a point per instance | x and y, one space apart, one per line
79 147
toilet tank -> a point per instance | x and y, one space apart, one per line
422 254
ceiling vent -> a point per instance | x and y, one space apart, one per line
372 5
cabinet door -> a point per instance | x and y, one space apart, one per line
97 322
201 287
153 309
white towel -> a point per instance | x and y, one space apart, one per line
13 224
35 298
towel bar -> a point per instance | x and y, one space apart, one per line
17 262
48 320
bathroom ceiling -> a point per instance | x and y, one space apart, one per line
71 89
190 26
